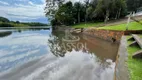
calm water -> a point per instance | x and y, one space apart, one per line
47 55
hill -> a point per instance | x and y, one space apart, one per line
4 22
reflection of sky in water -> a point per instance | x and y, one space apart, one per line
27 47
20 48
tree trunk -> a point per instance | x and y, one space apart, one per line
107 16
128 21
79 16
116 16
87 3
119 12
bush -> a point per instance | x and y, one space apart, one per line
6 25
2 19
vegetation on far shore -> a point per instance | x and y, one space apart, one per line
134 65
4 22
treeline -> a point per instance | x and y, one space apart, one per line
4 22
35 24
61 12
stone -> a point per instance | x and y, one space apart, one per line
138 55
138 39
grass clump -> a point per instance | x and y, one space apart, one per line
134 65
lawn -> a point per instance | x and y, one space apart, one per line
134 65
132 26
83 25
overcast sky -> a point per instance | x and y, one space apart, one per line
24 10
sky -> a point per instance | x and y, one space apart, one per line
23 10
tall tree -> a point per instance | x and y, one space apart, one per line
110 8
86 6
133 5
65 14
91 9
79 12
77 7
104 8
52 7
3 19
119 8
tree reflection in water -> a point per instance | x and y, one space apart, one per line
5 34
59 47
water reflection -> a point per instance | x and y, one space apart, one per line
47 55
5 33
102 49
20 48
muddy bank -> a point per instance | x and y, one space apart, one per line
110 35
113 36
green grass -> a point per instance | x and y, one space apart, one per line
83 25
134 65
132 26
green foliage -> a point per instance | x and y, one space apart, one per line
2 19
34 24
6 23
52 7
133 5
134 65
111 9
68 13
79 12
65 14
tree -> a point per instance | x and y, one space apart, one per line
2 19
110 9
65 14
52 7
119 9
86 6
133 5
79 12
77 7
91 9
17 22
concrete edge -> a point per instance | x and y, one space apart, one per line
121 69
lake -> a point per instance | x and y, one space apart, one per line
43 54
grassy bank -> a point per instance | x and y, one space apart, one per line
19 25
87 25
132 26
134 65
10 24
14 24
